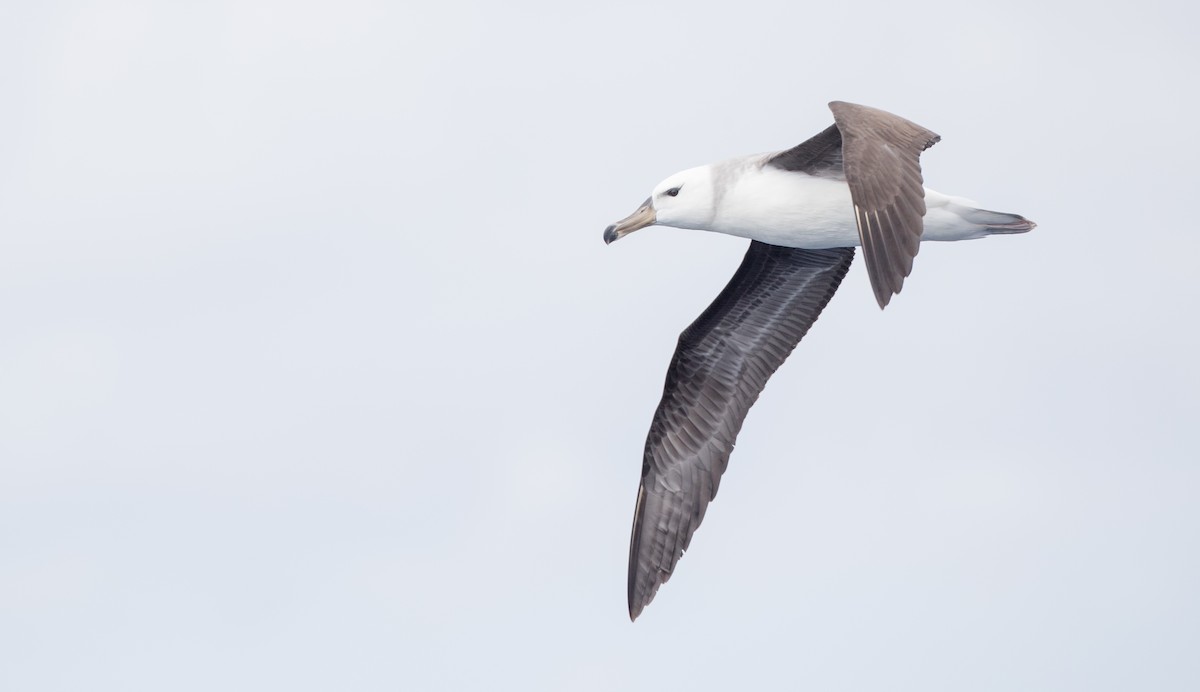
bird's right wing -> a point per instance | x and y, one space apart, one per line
719 368
878 155
881 160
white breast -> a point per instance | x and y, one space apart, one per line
789 209
804 211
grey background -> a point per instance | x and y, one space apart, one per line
315 372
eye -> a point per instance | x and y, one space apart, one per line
674 192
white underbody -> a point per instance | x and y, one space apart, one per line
803 211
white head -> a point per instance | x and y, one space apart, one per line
684 200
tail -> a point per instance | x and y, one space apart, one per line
994 222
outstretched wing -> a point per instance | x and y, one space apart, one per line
878 155
881 154
720 366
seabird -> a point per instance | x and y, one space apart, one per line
857 183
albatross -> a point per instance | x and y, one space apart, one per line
856 184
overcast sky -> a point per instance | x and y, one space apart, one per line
316 374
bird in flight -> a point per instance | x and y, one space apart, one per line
856 184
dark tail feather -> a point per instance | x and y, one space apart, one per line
1019 224
997 222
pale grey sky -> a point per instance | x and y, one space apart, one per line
316 374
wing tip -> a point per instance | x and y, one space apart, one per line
635 541
638 598
883 291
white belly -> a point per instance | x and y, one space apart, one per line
796 210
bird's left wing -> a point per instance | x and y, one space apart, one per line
719 368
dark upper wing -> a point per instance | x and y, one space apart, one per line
819 155
878 155
720 366
881 154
